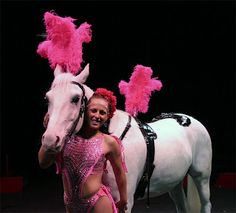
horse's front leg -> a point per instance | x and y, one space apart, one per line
131 191
178 196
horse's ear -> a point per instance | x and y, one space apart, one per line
58 70
82 77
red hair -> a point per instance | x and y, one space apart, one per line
109 96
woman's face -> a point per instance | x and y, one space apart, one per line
97 112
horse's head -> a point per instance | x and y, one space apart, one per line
66 104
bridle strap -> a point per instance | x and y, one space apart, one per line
82 108
84 99
128 125
79 85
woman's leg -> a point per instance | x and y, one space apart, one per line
103 205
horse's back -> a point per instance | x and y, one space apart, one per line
170 127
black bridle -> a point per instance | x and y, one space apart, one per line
82 108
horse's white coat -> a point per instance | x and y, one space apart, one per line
178 150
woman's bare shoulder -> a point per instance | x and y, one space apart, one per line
110 140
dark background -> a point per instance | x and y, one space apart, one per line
189 45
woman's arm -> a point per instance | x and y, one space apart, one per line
46 158
115 159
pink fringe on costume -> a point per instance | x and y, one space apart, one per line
138 91
63 44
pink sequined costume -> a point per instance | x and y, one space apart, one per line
81 158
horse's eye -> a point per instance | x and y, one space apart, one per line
75 99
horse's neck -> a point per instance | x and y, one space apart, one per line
118 122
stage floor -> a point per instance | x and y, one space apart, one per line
45 196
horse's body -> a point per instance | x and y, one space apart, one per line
179 150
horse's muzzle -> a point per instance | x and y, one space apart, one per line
52 143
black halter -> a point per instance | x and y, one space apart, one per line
82 108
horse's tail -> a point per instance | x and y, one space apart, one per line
193 196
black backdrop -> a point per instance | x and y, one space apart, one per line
189 45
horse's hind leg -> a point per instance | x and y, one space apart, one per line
177 194
200 172
203 187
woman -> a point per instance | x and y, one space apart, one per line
84 159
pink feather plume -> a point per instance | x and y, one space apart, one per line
138 91
64 41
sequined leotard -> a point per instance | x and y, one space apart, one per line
81 158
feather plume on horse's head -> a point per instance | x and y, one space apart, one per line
138 91
63 45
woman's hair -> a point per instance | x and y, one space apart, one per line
109 96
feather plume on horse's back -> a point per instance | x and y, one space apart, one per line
63 44
138 91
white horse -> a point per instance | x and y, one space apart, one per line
179 150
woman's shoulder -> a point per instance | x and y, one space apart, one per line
110 140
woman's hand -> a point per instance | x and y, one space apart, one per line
46 157
122 206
